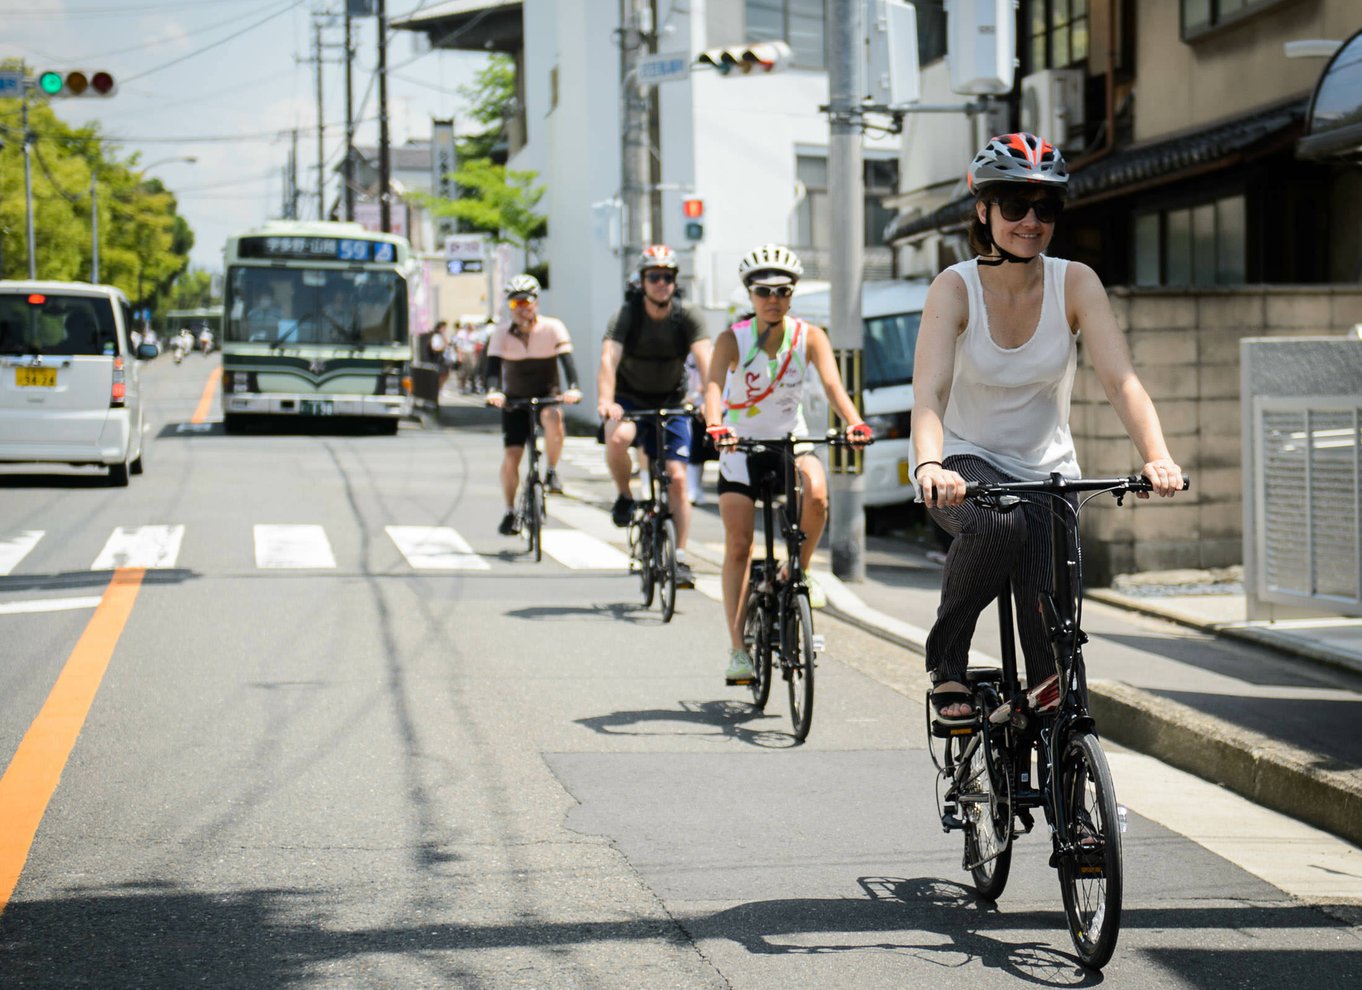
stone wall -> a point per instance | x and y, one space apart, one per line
1186 350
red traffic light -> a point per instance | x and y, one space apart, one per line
102 83
693 207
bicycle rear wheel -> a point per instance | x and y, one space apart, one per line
1090 868
664 559
797 663
756 638
984 796
532 516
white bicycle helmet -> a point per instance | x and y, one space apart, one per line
1018 158
523 285
770 264
657 256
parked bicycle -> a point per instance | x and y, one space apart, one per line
529 507
777 617
652 532
986 766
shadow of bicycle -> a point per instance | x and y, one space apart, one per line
727 719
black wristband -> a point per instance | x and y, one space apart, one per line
922 464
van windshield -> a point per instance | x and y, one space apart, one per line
889 345
44 323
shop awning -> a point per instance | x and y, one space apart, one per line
1158 163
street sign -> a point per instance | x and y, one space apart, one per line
466 248
663 67
11 84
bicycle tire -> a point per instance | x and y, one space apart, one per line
1091 877
986 808
756 638
537 530
645 560
665 559
797 662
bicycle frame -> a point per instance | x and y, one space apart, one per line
530 504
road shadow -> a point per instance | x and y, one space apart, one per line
71 580
160 935
608 611
730 719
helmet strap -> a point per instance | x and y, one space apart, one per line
1004 254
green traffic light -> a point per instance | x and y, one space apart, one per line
50 83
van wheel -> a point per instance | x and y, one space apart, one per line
136 466
118 475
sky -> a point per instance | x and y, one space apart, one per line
225 82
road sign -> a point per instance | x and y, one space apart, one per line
11 84
466 247
663 67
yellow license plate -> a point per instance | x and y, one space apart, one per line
35 377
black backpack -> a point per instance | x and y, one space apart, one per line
633 313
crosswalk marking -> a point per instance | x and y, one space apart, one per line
582 551
435 548
140 546
47 605
296 547
16 548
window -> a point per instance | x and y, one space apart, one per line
1056 33
813 220
799 23
1200 16
931 30
1198 245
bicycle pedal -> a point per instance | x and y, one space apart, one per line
739 681
951 823
1028 822
942 731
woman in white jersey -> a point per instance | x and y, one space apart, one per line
756 381
996 357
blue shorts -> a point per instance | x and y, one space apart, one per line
676 428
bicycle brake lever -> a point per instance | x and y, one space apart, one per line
1002 502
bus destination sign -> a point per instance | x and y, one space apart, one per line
317 249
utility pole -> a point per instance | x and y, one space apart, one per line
321 122
634 163
293 178
384 179
28 185
94 228
846 186
348 176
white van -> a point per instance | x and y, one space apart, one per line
892 312
70 392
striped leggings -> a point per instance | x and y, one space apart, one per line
988 548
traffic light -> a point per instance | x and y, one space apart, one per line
76 82
762 56
693 209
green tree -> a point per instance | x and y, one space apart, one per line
193 289
489 99
495 200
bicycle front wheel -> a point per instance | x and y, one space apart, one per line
643 558
664 559
533 517
797 663
1090 869
756 638
984 795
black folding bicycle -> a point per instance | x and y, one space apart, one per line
777 618
985 785
529 506
652 532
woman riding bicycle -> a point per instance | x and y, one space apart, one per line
995 364
755 384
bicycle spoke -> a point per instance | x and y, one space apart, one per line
797 663
1090 867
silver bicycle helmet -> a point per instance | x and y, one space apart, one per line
770 264
657 256
1018 158
523 285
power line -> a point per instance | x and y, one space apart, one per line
168 41
215 44
106 11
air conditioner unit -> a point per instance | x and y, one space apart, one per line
1052 105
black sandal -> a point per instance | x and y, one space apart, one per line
944 699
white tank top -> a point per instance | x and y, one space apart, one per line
762 394
1010 405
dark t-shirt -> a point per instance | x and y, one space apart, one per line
652 370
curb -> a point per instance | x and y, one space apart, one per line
1264 770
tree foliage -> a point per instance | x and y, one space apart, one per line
143 242
192 290
490 99
495 200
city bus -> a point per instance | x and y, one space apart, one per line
316 324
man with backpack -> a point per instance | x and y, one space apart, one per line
643 366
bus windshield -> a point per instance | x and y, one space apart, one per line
315 306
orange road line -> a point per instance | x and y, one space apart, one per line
206 400
32 776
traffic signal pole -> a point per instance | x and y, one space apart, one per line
385 210
349 173
28 185
846 189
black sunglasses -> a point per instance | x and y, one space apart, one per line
1015 208
779 291
668 277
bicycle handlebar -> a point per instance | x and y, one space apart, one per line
750 445
1056 484
634 415
533 403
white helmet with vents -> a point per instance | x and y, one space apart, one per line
523 285
770 264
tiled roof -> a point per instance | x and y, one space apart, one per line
1246 136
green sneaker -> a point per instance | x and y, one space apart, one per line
739 668
817 596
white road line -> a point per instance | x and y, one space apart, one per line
48 605
435 548
710 586
16 548
1292 856
582 552
140 546
587 519
292 547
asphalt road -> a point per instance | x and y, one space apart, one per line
370 774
